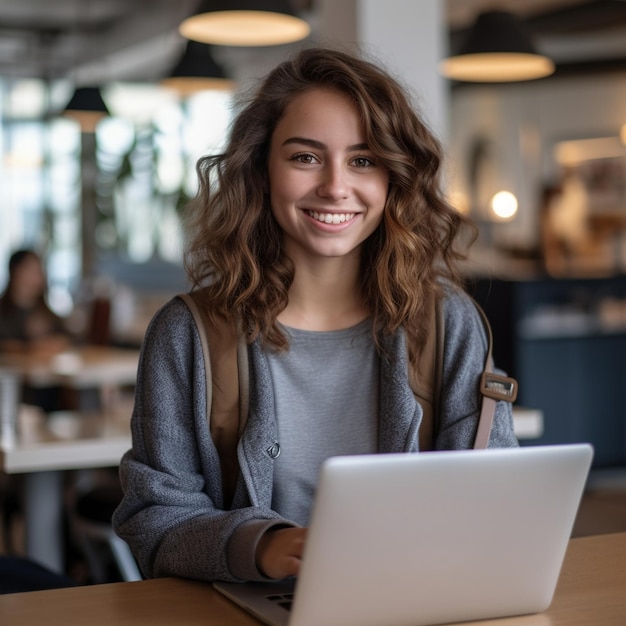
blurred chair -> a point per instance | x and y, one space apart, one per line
92 528
10 508
19 574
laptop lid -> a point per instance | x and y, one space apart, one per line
431 538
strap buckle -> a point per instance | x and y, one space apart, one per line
498 387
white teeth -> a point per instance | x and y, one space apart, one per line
331 218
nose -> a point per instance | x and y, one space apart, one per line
334 184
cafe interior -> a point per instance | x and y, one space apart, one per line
106 107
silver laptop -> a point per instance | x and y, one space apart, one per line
430 538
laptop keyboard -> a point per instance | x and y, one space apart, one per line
285 600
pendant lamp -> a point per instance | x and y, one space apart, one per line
497 49
197 70
87 107
245 23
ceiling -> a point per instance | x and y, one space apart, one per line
131 39
100 40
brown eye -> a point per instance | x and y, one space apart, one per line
364 162
303 157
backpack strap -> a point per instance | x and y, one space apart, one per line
227 385
425 376
493 387
425 380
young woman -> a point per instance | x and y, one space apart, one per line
323 233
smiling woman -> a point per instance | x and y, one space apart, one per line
321 240
328 193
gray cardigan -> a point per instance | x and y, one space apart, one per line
172 513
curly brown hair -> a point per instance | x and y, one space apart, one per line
235 251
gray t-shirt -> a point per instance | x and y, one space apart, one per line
326 389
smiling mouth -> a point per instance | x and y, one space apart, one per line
331 218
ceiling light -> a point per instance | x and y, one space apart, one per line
497 49
197 71
245 23
87 107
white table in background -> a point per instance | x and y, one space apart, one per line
45 447
527 423
79 367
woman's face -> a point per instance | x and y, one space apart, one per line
327 190
29 280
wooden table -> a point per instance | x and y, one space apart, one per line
591 592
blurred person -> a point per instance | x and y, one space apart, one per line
27 324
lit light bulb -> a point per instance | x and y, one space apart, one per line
504 205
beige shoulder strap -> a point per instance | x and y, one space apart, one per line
227 385
424 376
493 387
425 381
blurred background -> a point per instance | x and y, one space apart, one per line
97 188
103 207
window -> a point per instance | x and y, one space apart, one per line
80 198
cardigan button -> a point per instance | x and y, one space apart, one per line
274 450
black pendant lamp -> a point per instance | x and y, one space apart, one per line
498 49
196 71
87 107
245 23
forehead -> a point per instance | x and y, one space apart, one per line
320 107
28 261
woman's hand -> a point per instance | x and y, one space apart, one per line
279 552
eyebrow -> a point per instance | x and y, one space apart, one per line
321 146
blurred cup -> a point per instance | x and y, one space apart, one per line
10 398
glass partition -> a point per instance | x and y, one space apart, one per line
87 202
